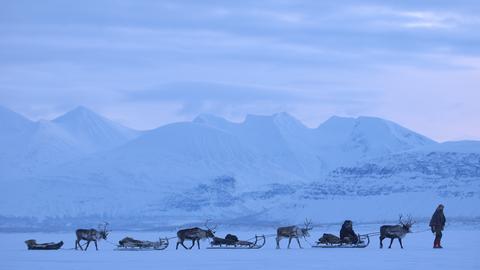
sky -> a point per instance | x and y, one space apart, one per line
148 63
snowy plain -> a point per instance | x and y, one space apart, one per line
460 252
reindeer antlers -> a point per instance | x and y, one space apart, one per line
104 225
308 223
408 221
211 229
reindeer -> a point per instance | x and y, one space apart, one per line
195 234
293 232
91 235
396 231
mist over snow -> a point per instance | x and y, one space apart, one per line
82 167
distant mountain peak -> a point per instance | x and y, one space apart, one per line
93 130
280 118
208 118
78 113
287 120
82 109
334 120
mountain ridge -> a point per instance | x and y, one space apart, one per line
212 166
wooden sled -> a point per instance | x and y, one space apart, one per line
33 245
363 242
256 242
130 244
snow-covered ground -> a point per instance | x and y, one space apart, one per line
460 252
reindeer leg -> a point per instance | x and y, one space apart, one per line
178 243
96 247
381 241
80 245
400 240
88 243
391 242
193 244
278 242
298 241
198 243
289 241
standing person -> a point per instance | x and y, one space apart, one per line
437 224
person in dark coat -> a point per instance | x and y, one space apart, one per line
437 224
347 234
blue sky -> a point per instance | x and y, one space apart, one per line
147 63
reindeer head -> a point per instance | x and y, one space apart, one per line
210 230
307 228
406 223
102 230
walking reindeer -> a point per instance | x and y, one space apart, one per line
396 231
90 235
194 234
291 232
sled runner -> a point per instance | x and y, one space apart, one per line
129 243
232 242
332 241
32 244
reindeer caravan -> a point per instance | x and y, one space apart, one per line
347 239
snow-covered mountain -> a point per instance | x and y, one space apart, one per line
31 147
343 141
266 168
93 132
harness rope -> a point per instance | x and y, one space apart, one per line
111 243
426 230
82 245
306 240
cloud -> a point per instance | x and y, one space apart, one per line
197 97
395 17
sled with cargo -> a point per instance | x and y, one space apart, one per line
232 242
333 241
33 245
131 244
